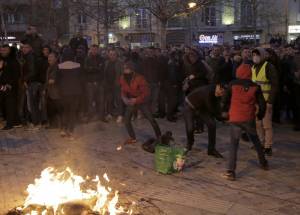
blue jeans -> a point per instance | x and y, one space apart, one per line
236 130
34 102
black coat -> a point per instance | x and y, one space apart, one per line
94 68
203 100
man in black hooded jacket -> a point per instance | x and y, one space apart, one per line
205 103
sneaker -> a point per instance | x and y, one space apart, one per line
119 120
268 151
198 131
18 126
265 166
32 127
229 175
63 134
215 154
108 117
130 141
172 119
7 128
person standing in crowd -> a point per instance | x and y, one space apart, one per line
162 66
9 75
42 67
34 40
112 73
94 76
135 93
240 101
204 103
79 40
224 75
265 75
172 86
70 89
32 85
215 61
151 74
54 103
296 91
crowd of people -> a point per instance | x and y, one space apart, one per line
47 86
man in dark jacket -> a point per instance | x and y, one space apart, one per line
265 75
34 40
78 40
151 73
94 76
240 101
9 76
32 85
205 103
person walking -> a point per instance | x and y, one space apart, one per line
135 93
245 102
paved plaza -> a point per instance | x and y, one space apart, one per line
199 189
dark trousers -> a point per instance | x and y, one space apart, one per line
113 101
54 112
207 119
95 98
70 110
236 130
296 104
34 102
130 110
168 99
8 100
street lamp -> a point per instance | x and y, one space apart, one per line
192 5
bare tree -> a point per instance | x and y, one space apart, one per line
164 10
105 12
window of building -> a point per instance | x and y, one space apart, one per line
141 18
81 18
246 13
14 18
209 16
57 4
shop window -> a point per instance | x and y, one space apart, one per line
246 13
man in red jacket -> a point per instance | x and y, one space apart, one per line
245 102
135 94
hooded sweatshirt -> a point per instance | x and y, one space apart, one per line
243 96
271 73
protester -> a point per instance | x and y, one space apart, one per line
112 73
135 93
70 90
33 38
240 101
265 75
205 103
53 95
32 86
94 76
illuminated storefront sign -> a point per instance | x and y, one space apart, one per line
246 37
211 39
294 29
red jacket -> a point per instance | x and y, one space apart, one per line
138 88
243 96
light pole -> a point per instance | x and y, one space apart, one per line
191 6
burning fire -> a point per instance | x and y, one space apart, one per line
54 189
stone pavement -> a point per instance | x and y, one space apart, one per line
198 190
